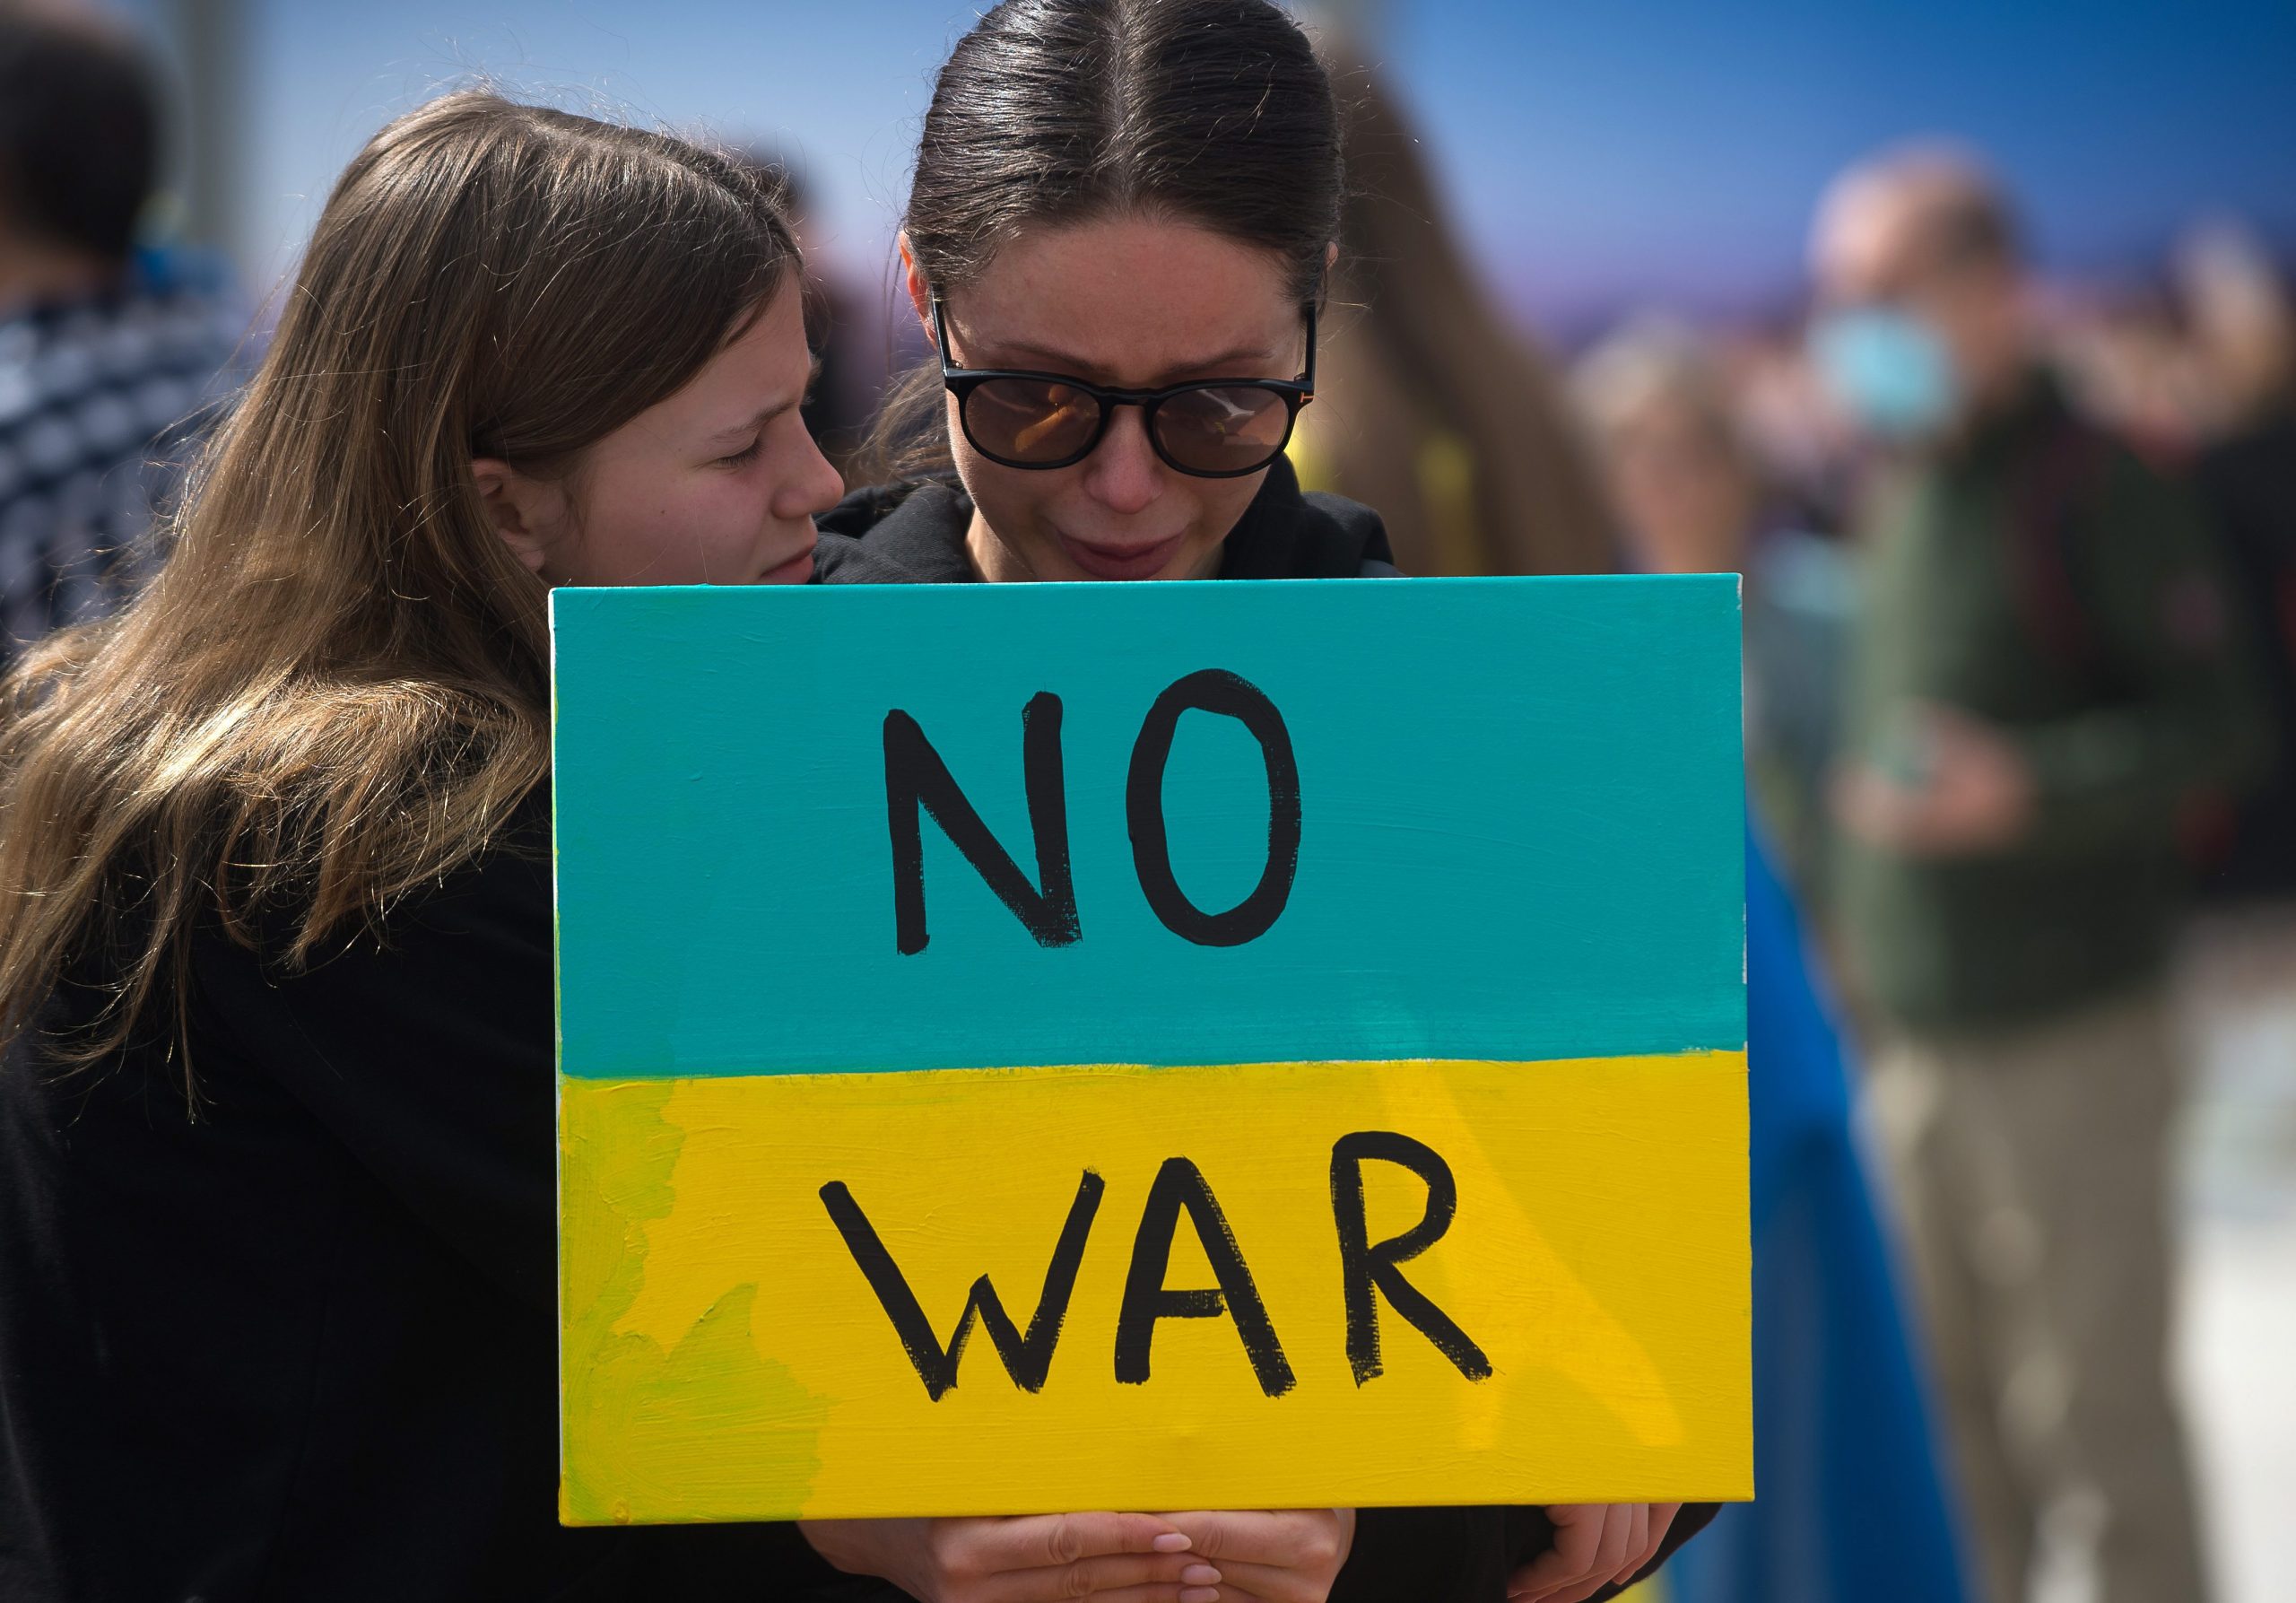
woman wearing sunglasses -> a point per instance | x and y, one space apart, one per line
1122 296
1117 236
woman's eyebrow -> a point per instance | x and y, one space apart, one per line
1228 363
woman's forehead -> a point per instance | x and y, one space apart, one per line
1128 295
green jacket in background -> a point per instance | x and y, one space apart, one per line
2040 578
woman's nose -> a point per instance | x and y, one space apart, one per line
1124 471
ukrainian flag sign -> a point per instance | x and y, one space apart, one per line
1042 1047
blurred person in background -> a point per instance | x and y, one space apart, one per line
847 377
101 361
1430 405
2244 335
2048 671
1691 498
1852 1504
2126 363
1790 422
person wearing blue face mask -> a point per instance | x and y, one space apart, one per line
2047 677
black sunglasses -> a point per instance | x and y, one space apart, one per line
1212 427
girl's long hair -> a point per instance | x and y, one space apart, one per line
335 690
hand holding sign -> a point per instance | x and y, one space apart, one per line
1139 1558
1289 1556
1595 1544
1262 1557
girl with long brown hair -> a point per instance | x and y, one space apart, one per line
276 1284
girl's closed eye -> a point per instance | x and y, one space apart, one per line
748 453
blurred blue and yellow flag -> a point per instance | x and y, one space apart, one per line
1855 1505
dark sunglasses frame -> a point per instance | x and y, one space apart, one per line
961 382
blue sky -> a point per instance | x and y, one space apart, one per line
1673 147
1598 154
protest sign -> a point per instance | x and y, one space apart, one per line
1044 1047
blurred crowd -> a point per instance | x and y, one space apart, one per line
2020 610
1726 447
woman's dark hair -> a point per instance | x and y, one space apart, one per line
1049 112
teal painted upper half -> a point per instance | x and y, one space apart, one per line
1520 803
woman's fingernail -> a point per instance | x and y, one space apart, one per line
1200 1575
1172 1541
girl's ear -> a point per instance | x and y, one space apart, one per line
528 513
920 293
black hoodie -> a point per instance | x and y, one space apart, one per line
914 533
303 1346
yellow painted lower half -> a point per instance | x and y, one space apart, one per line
724 1356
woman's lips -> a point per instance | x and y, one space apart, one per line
1122 561
795 570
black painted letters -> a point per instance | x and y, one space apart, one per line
1368 1269
1027 1358
1180 1185
1213 691
916 777
1365 1265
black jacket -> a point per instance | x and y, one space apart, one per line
304 1347
914 533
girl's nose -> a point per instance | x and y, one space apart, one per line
815 489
